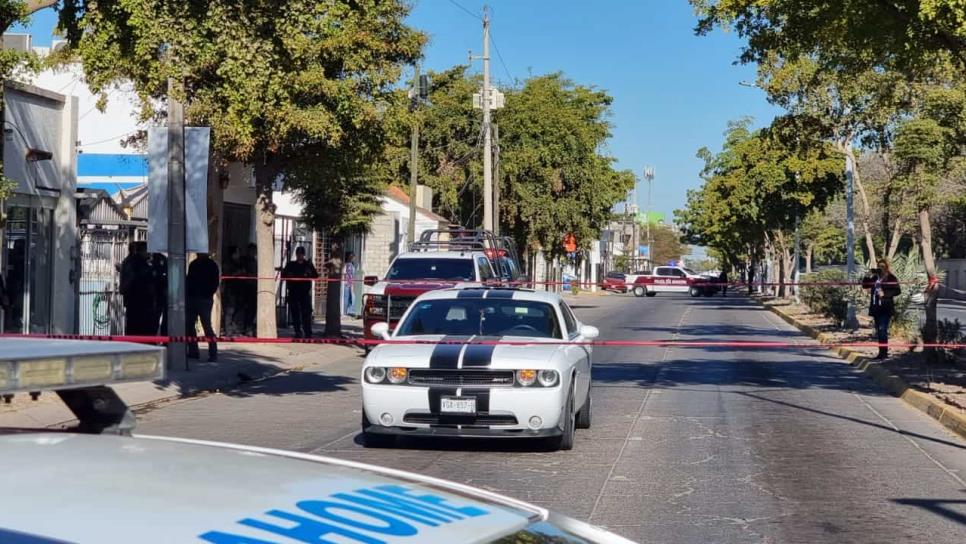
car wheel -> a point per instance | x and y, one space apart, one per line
586 413
640 291
695 292
651 294
372 440
566 440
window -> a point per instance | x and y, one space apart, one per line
431 269
569 320
663 271
486 271
677 272
485 317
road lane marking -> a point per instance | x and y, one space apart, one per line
952 474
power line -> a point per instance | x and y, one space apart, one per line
468 12
500 56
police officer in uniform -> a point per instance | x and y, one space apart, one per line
299 292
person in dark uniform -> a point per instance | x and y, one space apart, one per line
159 277
883 288
723 280
232 294
200 287
137 288
298 293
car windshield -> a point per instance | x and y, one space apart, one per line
691 272
432 269
486 317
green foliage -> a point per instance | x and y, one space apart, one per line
908 270
666 244
827 296
758 183
554 181
951 331
293 86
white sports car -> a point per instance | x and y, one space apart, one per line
443 371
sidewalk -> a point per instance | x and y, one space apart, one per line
237 364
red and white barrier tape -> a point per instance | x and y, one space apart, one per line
595 343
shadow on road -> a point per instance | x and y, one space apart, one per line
484 445
292 383
940 507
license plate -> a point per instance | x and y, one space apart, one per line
458 405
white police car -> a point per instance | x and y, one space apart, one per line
480 362
66 487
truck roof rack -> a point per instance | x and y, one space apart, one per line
455 240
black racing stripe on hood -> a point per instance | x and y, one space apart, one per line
470 293
447 355
480 355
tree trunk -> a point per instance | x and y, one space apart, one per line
895 239
866 211
265 240
808 257
215 202
333 292
930 330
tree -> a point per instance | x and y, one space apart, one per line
666 244
557 182
295 88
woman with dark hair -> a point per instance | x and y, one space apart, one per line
884 287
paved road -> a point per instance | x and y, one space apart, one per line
688 445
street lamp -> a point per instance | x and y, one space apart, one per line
649 176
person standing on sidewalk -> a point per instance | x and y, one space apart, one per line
200 287
137 288
884 287
298 292
249 291
348 275
723 280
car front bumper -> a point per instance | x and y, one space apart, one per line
508 413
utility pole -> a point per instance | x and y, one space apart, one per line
176 231
798 249
649 176
496 180
850 320
413 158
487 137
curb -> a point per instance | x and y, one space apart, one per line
946 415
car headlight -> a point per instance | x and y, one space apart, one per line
375 374
548 378
397 374
526 377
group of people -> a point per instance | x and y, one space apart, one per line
144 286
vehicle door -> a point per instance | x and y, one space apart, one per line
577 355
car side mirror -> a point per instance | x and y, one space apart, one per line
380 330
589 332
369 281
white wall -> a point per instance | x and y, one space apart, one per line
45 120
98 132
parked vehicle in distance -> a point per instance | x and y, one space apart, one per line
614 281
673 279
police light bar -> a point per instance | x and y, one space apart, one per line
38 364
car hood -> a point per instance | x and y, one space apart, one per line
414 288
110 489
536 351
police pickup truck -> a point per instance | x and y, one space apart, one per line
97 485
673 279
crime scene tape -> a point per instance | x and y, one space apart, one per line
361 342
520 283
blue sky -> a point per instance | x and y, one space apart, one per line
673 91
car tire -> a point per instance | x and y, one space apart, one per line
695 292
651 294
585 414
372 440
565 441
640 291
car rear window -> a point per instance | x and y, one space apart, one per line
485 317
432 269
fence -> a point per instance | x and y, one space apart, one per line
100 307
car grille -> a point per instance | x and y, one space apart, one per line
479 419
461 378
398 306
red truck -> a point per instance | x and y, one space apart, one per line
674 279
